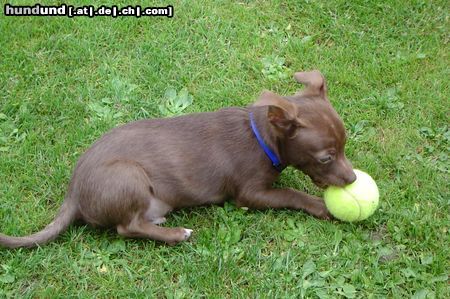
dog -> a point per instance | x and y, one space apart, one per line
137 173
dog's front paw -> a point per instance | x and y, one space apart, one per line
325 215
319 210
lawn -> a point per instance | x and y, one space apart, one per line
66 81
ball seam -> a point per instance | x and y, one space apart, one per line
356 200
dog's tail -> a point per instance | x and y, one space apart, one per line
66 215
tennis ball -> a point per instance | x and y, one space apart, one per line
354 202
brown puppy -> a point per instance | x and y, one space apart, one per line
137 173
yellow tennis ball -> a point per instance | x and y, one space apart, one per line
354 202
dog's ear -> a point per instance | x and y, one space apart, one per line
314 82
281 113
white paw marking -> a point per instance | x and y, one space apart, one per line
160 220
187 233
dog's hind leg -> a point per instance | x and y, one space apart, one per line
139 227
119 193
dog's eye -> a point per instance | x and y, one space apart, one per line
326 159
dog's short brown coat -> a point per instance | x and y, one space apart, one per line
137 173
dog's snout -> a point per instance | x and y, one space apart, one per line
346 173
350 177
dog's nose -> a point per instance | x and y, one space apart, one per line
350 177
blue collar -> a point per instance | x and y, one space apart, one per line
272 156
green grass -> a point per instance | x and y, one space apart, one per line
65 82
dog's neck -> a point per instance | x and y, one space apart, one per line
269 135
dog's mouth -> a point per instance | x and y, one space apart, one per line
323 184
320 184
316 180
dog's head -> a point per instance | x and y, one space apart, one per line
313 136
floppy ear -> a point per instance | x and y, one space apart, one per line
314 82
281 112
